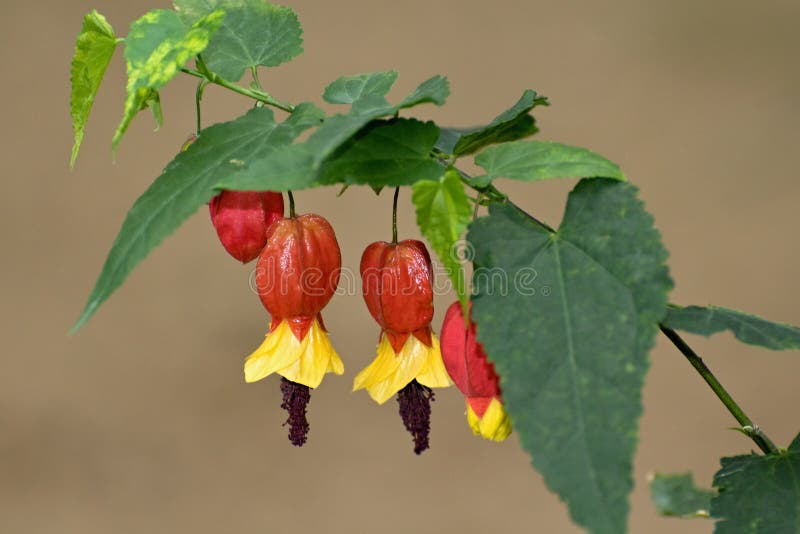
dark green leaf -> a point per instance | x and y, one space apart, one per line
388 154
747 328
514 123
254 33
349 89
186 184
568 319
542 160
308 157
443 212
300 163
676 495
759 494
433 90
93 51
158 44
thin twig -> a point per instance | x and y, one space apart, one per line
748 427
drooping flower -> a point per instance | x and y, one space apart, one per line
474 376
296 275
242 218
397 280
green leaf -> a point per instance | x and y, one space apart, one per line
676 495
514 123
443 213
388 154
747 328
158 44
568 319
542 160
433 90
301 162
307 158
93 51
187 183
254 33
350 89
759 494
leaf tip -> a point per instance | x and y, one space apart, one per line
87 313
74 155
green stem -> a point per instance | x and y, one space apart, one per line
291 204
394 215
198 98
495 195
477 206
260 96
748 427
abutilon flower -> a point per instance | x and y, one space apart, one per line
474 376
397 282
242 218
296 275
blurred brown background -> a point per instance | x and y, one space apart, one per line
142 423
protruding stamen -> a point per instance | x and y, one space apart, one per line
295 401
415 409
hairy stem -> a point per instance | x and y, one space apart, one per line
260 96
748 427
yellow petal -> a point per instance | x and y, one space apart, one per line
303 361
279 349
383 366
434 374
390 372
317 359
495 425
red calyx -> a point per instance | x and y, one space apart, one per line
466 362
242 218
397 283
298 270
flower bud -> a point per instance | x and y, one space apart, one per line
397 282
242 218
474 376
298 270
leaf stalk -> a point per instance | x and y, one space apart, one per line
255 94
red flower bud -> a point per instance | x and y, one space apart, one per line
298 270
464 357
398 289
242 218
474 376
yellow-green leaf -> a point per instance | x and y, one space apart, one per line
93 51
158 45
